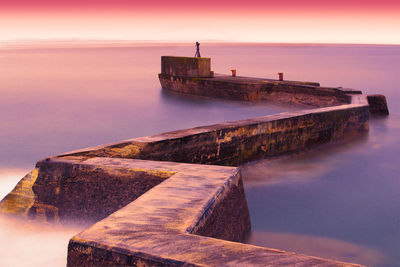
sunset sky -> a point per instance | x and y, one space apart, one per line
303 21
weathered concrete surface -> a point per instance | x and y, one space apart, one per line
138 247
378 104
67 191
236 142
88 193
186 66
161 227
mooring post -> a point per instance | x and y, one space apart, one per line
280 76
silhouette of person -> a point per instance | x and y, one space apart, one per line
197 50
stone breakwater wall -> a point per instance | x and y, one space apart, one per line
256 89
163 199
194 76
236 142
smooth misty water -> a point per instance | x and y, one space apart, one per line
339 201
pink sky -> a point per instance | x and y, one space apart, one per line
340 21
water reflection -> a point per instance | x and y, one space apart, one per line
346 192
301 165
318 246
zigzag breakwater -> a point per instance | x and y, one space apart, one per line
159 200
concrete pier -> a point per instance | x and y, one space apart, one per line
163 199
309 94
201 82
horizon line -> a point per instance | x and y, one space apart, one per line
72 41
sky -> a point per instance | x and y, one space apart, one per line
279 21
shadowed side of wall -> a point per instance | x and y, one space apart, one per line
68 192
378 104
227 219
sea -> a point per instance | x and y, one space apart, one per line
339 201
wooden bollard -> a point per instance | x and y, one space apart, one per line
280 76
233 73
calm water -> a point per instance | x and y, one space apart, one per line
341 201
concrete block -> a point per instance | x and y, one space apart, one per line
186 66
378 104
